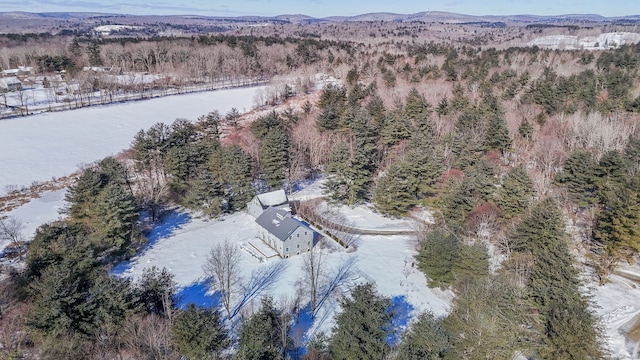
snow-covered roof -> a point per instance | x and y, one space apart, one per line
10 81
20 69
279 222
273 198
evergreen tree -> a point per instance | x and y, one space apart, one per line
237 170
618 223
568 328
232 117
437 257
61 303
93 50
362 326
351 166
115 213
274 157
395 128
525 129
578 175
417 108
610 173
115 301
333 100
497 135
56 243
260 335
424 340
445 260
199 333
209 125
632 154
156 291
516 192
206 194
488 321
394 194
376 109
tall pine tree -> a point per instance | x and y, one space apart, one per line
567 327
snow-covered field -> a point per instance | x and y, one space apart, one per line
37 212
39 147
182 243
572 42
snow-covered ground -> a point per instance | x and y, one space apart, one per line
618 305
182 243
572 42
39 147
37 212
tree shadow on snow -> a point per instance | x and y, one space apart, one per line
401 315
170 223
199 295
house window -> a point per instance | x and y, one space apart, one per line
305 233
298 246
308 242
298 234
287 249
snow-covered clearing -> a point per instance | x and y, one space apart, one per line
37 212
182 243
39 147
571 42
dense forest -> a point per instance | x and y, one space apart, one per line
528 158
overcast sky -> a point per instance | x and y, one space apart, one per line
323 8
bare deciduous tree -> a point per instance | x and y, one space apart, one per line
11 230
313 270
223 270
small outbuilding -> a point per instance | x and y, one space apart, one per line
261 202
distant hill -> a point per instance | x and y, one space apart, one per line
26 22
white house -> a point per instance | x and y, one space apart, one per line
10 84
278 228
260 202
285 234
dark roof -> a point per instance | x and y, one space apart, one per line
278 221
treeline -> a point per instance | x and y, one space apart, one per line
461 157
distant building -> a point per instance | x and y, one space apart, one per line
21 70
279 229
10 84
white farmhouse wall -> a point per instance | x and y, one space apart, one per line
300 241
